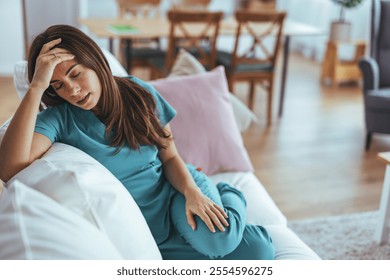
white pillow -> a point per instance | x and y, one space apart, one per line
21 78
33 226
84 186
116 68
187 64
3 129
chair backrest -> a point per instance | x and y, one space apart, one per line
265 28
259 5
195 31
138 8
191 4
380 39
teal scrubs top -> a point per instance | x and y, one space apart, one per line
140 171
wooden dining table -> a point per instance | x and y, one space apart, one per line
145 28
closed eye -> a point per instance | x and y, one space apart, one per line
59 86
76 75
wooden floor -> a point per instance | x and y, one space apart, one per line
312 160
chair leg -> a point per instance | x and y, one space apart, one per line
152 74
230 83
251 96
270 100
368 140
155 73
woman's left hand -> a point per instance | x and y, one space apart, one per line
211 213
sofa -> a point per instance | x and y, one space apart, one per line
66 205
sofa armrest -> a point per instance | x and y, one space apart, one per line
370 72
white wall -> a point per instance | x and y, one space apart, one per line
321 13
11 34
43 13
40 14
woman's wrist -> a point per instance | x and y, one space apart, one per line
191 191
36 89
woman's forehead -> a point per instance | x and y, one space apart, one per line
65 67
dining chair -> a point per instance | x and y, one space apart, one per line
194 31
141 49
254 62
191 4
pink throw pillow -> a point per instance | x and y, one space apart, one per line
205 132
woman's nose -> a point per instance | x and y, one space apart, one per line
74 90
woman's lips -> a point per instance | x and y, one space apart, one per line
84 100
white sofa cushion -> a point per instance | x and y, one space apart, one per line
33 226
261 210
85 187
288 246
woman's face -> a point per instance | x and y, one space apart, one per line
77 84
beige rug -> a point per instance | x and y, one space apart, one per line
346 237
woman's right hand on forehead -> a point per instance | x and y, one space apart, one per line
47 60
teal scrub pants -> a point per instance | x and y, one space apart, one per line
239 241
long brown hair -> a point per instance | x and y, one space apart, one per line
126 108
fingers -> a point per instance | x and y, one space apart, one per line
221 214
221 211
59 57
207 210
212 215
190 219
48 46
55 53
49 52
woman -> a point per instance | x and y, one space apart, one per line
124 124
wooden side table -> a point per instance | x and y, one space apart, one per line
337 70
383 228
